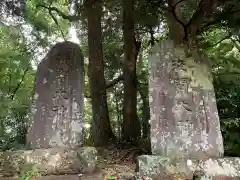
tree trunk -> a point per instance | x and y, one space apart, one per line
119 130
131 125
146 113
101 128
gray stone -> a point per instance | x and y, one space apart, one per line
159 167
154 167
50 161
185 131
88 157
57 109
184 117
126 176
51 177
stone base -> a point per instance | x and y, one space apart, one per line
164 168
52 161
51 177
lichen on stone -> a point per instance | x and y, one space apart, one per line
184 119
49 161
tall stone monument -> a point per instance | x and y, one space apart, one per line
56 131
184 117
185 127
57 109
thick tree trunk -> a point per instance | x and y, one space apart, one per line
131 125
101 128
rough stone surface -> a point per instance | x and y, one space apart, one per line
49 161
126 176
52 177
184 117
57 109
159 167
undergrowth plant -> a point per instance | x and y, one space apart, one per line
32 174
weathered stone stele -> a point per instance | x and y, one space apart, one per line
57 108
185 131
184 117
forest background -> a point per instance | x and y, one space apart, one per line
116 94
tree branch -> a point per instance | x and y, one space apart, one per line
56 22
226 37
70 18
235 43
180 1
87 96
110 84
115 81
220 17
19 84
207 10
179 26
180 22
205 7
165 8
152 38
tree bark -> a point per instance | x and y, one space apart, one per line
177 31
101 128
131 125
145 111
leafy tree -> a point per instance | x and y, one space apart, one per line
16 77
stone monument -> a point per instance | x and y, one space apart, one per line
57 110
185 131
56 131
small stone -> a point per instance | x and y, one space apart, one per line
126 176
88 157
